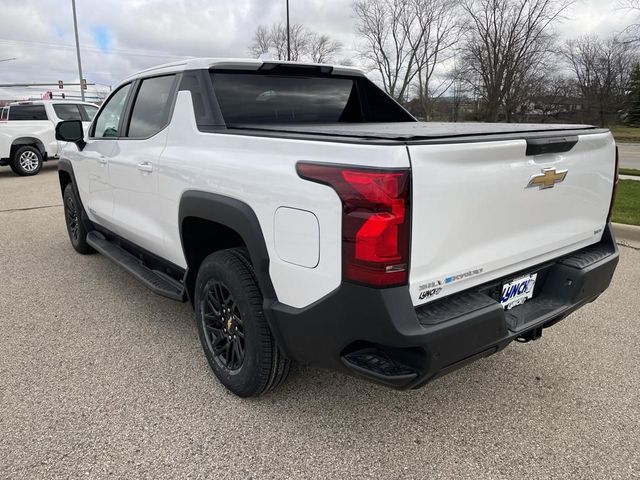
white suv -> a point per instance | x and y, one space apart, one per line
307 216
27 131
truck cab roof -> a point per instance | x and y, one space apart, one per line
250 64
50 102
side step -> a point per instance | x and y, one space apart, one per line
156 281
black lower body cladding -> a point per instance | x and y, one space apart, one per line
378 333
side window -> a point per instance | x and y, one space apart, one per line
151 109
27 112
205 107
108 121
89 111
67 111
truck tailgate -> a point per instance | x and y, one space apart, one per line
476 219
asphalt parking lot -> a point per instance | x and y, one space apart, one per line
101 378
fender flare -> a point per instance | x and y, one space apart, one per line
64 165
27 140
238 216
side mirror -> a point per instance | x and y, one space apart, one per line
71 131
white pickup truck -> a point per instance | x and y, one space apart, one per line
27 131
308 217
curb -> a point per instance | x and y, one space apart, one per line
630 233
635 178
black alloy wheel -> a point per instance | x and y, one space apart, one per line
223 325
233 330
73 219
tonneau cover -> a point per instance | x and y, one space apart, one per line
412 131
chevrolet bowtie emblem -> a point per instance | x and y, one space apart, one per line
547 179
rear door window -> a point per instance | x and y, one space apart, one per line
27 112
67 111
152 106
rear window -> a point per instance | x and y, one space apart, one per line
27 112
67 111
89 111
268 98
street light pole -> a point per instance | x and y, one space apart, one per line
288 34
75 27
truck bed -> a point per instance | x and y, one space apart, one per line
475 217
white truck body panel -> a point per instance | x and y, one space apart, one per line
475 218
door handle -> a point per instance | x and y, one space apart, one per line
145 167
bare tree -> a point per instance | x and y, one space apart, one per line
305 44
506 39
278 37
601 69
555 96
631 34
322 49
261 42
405 40
388 42
439 24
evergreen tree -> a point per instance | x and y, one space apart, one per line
633 97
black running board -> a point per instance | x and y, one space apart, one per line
156 281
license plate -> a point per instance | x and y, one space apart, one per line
517 291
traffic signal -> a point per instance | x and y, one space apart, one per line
60 84
83 82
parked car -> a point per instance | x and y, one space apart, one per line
27 132
307 216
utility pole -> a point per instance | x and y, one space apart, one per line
75 27
288 34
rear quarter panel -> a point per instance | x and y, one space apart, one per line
43 130
261 172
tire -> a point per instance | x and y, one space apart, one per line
26 161
234 333
73 218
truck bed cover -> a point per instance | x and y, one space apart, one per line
421 131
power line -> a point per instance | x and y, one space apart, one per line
6 85
111 51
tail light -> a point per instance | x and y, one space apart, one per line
616 178
375 220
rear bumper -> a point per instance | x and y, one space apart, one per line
378 334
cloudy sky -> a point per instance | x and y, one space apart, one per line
119 37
